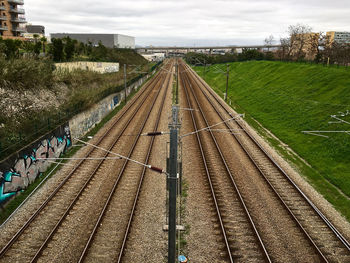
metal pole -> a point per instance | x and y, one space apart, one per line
227 77
125 81
177 84
173 184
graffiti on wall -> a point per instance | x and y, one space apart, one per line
21 169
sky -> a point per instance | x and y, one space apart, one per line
189 22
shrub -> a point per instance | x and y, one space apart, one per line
26 73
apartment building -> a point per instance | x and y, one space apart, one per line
12 18
305 45
338 37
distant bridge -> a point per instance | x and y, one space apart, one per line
208 48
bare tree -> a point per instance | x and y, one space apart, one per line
298 38
284 52
269 41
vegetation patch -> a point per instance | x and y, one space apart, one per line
288 98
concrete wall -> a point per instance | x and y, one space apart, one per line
101 67
21 169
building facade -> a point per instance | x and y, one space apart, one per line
12 18
305 45
33 31
338 37
108 40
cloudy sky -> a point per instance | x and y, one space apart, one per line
189 22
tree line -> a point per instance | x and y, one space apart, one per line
300 44
247 54
63 50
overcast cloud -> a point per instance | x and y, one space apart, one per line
190 22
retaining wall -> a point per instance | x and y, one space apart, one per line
101 67
21 169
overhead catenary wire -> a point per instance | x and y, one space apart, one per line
76 158
209 127
320 133
156 169
230 131
60 163
337 118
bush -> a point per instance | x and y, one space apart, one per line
26 73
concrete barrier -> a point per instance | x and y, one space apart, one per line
101 67
22 168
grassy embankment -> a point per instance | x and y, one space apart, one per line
288 98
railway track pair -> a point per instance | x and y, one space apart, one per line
290 228
69 224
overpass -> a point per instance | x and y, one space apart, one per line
183 49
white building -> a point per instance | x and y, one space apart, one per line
154 56
108 40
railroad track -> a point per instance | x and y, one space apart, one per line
96 251
229 206
88 179
302 222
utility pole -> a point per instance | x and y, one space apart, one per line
125 81
173 166
177 83
227 77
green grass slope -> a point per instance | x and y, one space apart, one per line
288 98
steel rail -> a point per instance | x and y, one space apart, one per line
336 232
105 134
142 177
49 237
321 254
274 190
223 230
102 213
261 244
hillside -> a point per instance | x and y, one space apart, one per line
288 98
35 98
